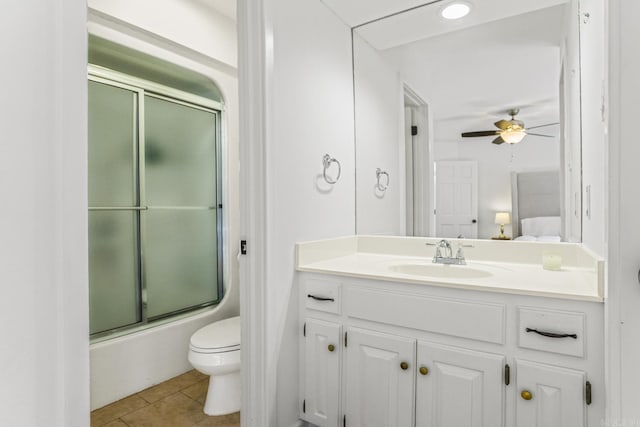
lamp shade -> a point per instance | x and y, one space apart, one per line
503 218
513 136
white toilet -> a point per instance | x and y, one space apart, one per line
215 350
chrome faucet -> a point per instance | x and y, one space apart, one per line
443 244
447 258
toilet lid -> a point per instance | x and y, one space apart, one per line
221 334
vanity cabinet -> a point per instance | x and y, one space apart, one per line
321 371
458 387
379 371
549 396
415 355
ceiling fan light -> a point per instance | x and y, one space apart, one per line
455 11
513 136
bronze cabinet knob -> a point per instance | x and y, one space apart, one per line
404 366
424 370
526 395
331 347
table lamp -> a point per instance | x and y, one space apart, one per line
502 218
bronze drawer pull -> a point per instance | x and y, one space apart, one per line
552 334
320 298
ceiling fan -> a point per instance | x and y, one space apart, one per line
509 131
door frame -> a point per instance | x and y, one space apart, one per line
255 67
419 180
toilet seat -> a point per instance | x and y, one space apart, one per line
219 337
214 350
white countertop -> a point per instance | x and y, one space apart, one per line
580 278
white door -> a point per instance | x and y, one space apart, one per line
549 396
321 370
458 388
457 199
379 379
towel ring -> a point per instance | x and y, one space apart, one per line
380 185
327 160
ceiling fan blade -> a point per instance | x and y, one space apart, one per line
498 140
537 134
541 126
502 124
480 133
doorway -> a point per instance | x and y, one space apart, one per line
418 161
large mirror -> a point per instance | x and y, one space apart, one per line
466 127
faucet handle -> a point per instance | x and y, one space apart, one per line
460 252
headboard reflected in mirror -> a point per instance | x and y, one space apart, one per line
536 206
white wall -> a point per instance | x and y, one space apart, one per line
594 142
44 319
198 38
189 23
309 113
623 290
380 143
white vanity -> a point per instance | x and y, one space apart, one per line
388 338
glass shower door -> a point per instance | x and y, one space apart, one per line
113 218
154 228
180 226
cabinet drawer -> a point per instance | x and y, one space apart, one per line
322 295
561 332
456 317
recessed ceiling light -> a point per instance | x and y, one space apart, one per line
456 11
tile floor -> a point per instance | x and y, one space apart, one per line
177 402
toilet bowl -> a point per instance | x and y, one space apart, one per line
215 350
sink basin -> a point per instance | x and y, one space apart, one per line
441 271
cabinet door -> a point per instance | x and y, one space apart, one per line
379 379
459 388
555 396
321 370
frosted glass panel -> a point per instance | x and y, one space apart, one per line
180 259
180 156
113 289
111 145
